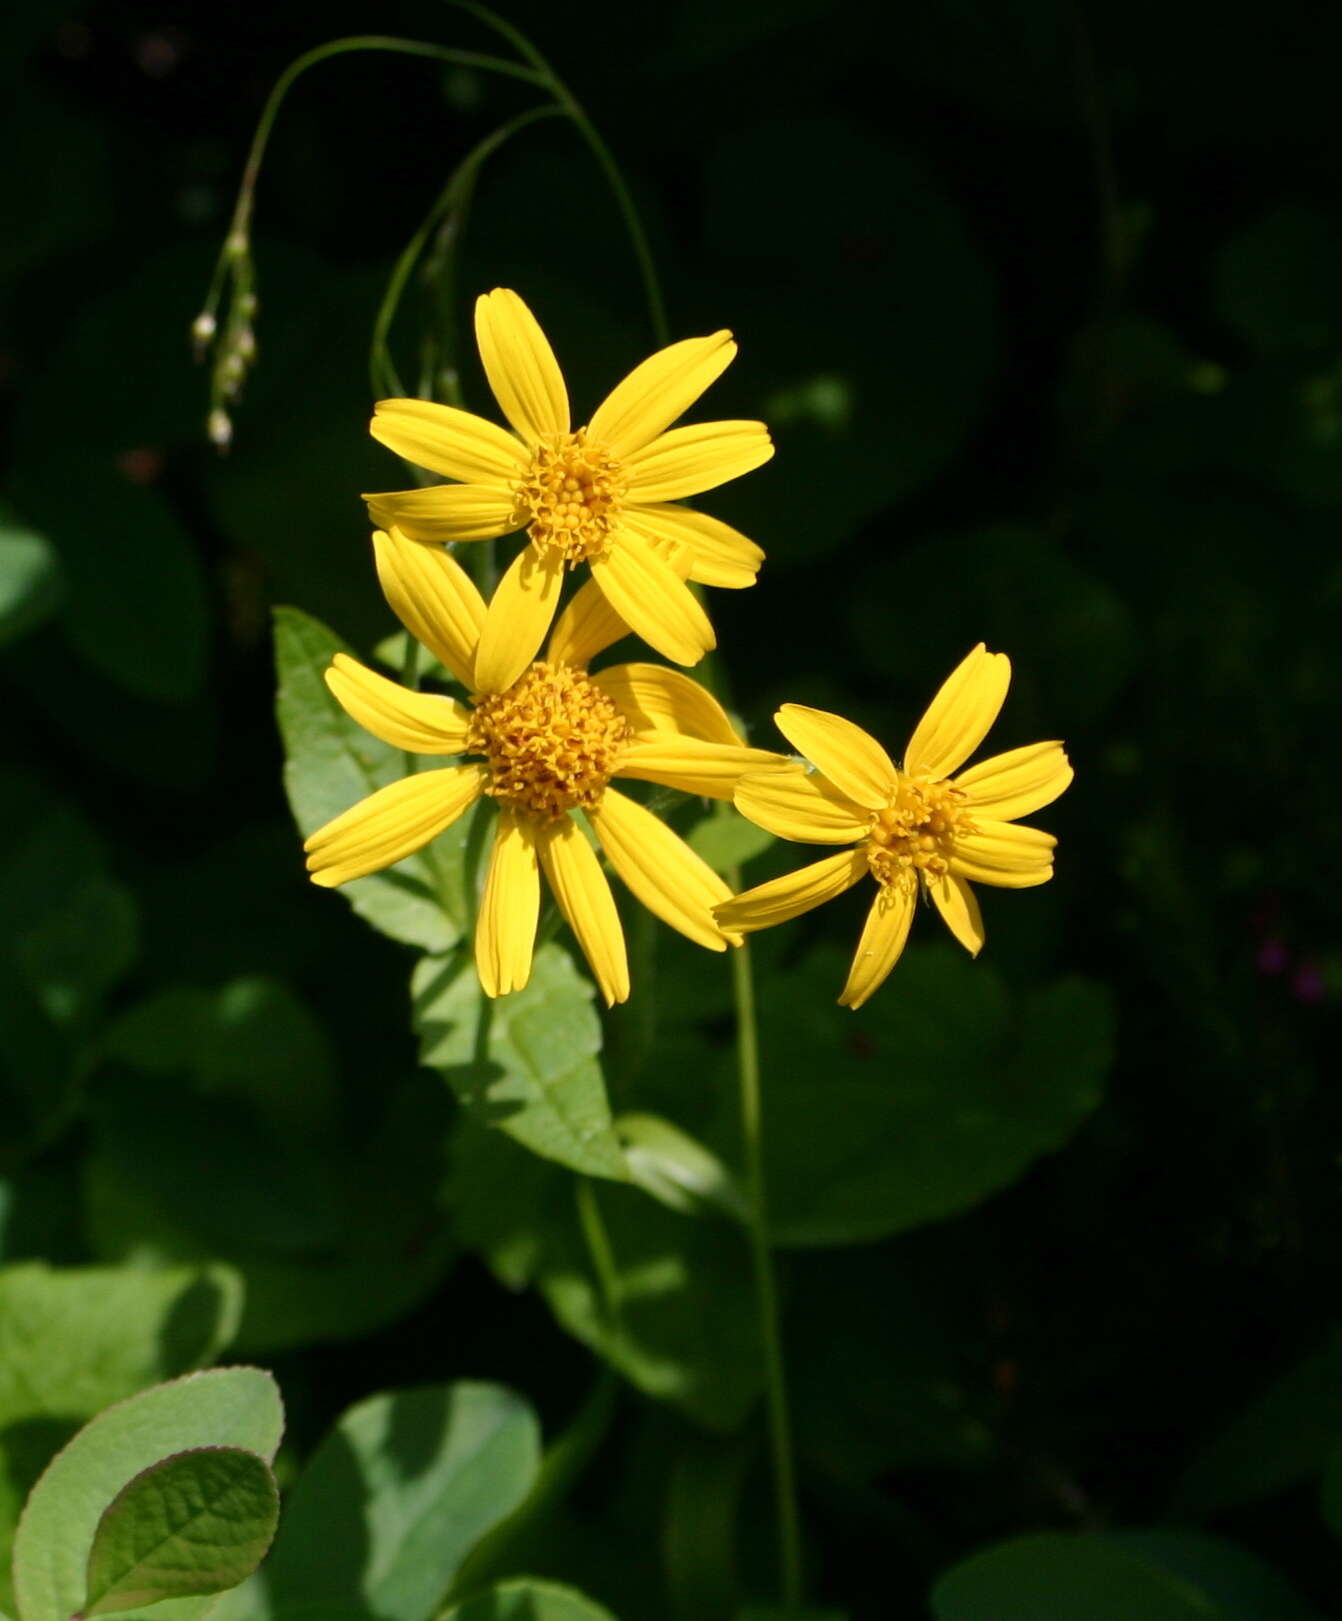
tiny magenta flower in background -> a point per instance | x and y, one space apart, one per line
912 827
548 743
600 494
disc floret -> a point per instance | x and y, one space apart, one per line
553 740
915 833
570 497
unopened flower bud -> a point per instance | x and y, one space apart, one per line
202 330
220 429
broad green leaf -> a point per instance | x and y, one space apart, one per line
135 602
398 1494
1057 1577
1239 1585
681 1325
1279 1440
526 1063
253 1039
195 1522
942 1095
676 1169
330 764
875 391
728 841
30 580
75 1340
238 1407
528 1600
343 1234
1072 639
1277 282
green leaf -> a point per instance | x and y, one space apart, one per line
330 764
1276 282
677 1170
528 1600
1056 1577
135 601
75 1340
340 1235
683 1326
398 1494
1282 1438
1240 1586
1072 638
237 1407
943 1094
30 580
728 841
196 1522
525 1063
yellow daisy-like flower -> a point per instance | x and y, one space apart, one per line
912 827
600 493
546 745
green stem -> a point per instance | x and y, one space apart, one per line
234 242
454 198
605 159
766 1291
603 1256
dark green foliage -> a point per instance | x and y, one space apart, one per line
1043 303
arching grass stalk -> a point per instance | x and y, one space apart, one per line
652 287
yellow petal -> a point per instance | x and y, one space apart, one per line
719 554
505 931
804 806
518 617
445 513
584 897
700 457
691 764
451 443
852 759
520 366
656 392
1017 782
434 598
960 716
959 908
391 824
653 698
886 930
586 626
653 600
782 899
421 722
1004 854
660 868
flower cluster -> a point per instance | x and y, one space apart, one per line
544 738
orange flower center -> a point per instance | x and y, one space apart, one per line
916 831
570 497
552 740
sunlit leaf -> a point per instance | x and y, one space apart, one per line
196 1522
526 1063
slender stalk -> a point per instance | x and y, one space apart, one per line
234 242
766 1291
453 199
652 287
602 1255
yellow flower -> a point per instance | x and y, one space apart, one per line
600 493
915 826
547 744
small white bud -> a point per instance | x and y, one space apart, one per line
220 429
203 327
247 344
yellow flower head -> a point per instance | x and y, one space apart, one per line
598 494
911 827
543 746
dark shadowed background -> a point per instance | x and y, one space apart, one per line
1043 303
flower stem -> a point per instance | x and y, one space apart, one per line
766 1292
